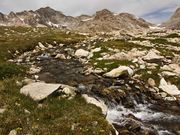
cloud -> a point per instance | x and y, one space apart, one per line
153 10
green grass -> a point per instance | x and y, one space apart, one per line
111 64
8 70
164 42
24 39
145 75
173 35
56 116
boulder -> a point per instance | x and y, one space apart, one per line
81 53
168 88
97 102
121 70
153 56
39 90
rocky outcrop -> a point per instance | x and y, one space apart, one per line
174 21
107 21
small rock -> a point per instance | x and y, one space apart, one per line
151 82
41 46
60 56
34 70
2 110
13 132
81 53
121 70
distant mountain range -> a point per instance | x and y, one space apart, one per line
101 21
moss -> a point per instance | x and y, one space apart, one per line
111 64
164 42
173 35
145 75
9 69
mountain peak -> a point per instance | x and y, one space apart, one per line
105 13
47 10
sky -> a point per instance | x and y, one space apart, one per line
155 11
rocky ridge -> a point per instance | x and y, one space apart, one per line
102 21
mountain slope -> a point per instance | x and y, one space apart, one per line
174 21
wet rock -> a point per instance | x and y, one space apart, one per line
97 102
168 88
121 70
82 88
44 56
39 90
131 126
81 53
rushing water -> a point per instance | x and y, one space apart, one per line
163 122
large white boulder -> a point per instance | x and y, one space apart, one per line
121 70
82 53
168 88
41 90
